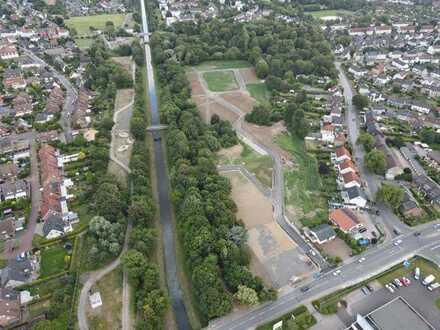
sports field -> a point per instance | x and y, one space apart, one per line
220 81
82 24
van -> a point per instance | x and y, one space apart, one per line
428 279
417 273
433 286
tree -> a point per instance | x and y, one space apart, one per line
105 238
391 195
135 262
360 101
141 210
367 140
262 69
108 201
375 161
246 296
299 124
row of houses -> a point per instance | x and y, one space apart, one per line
54 210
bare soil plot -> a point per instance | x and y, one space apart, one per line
249 76
337 248
277 257
108 316
196 86
241 100
209 108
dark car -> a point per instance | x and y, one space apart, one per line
157 138
417 233
305 289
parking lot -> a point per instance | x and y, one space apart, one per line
417 295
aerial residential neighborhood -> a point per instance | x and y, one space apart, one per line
222 165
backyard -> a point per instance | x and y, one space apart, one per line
220 81
52 260
82 24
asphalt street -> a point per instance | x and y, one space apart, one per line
163 192
377 260
386 219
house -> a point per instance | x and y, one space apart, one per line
354 197
22 104
43 117
7 229
342 154
17 272
14 190
399 64
383 29
357 72
8 52
351 179
345 219
321 234
410 209
328 133
420 107
13 79
54 226
8 171
429 189
10 309
346 166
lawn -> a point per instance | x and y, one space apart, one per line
324 13
259 92
302 182
303 320
220 81
82 24
227 64
84 43
52 261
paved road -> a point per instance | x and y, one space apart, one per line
25 238
163 192
71 95
93 278
278 197
378 259
387 220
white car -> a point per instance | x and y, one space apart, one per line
397 242
389 288
361 260
336 273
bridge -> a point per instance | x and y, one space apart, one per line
156 128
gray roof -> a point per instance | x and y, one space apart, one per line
53 222
354 192
16 270
398 315
323 232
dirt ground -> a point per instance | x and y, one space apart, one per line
277 259
208 109
231 153
196 86
249 76
240 99
337 248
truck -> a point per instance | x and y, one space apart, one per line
428 279
417 273
433 286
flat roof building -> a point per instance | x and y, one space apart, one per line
396 314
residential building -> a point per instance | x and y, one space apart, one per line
354 197
345 219
10 308
321 234
342 154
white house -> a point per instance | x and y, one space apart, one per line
354 197
328 133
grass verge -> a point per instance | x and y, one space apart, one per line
303 320
259 92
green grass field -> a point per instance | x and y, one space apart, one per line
220 81
52 261
226 64
303 184
259 92
82 24
84 43
324 13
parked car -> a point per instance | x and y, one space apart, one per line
417 273
395 287
428 279
389 288
397 242
337 273
433 286
361 260
397 282
405 281
369 287
365 291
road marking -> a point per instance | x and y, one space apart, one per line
435 247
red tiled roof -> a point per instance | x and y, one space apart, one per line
341 151
345 219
